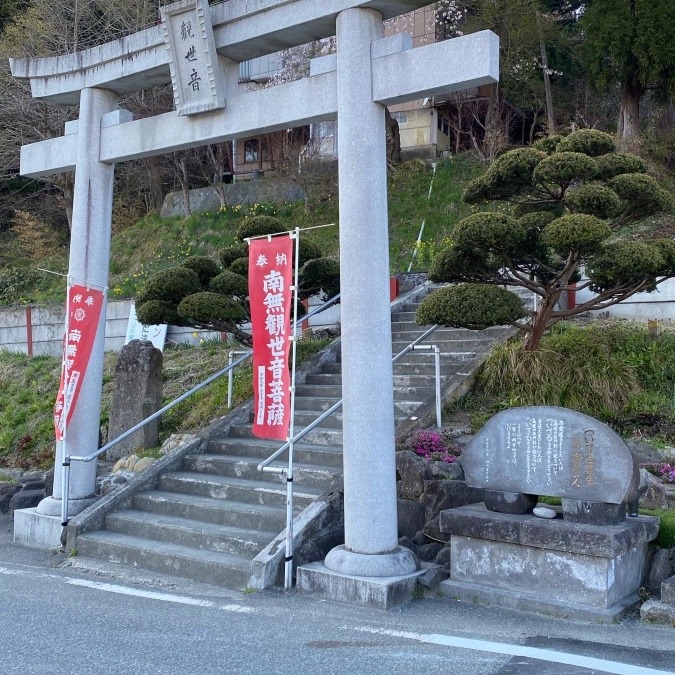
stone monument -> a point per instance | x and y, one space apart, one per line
588 561
137 395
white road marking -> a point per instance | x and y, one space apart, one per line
520 650
127 590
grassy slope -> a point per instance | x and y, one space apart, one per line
28 387
155 243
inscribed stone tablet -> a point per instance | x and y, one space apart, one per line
551 451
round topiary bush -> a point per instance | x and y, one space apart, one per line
320 275
477 191
240 266
593 199
258 226
577 232
229 254
308 250
155 312
211 308
205 267
485 231
452 264
588 141
642 191
625 262
549 144
513 168
170 285
563 168
473 306
230 283
615 164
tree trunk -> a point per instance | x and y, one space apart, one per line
540 322
547 80
628 128
493 131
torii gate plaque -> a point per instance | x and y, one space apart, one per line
368 73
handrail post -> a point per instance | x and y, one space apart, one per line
65 490
230 357
437 363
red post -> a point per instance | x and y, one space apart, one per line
571 296
393 288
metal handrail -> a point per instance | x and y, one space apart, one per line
65 466
285 470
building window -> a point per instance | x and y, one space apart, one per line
251 150
400 117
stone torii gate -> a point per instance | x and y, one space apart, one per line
368 73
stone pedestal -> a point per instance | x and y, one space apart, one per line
380 592
570 570
36 530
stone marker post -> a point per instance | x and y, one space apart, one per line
137 395
88 265
371 532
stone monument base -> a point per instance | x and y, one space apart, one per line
379 592
569 570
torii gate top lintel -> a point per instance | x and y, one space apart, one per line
243 30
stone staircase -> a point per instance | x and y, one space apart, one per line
208 519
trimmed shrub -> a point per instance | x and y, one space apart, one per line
488 231
595 200
211 308
625 262
615 164
205 267
229 254
577 232
473 306
563 168
258 226
230 283
549 144
170 285
240 266
454 265
588 141
320 275
642 192
155 312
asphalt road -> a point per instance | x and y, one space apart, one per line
56 618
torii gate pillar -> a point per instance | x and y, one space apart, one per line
370 507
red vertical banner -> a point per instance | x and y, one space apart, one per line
84 310
270 278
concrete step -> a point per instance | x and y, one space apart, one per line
448 367
236 489
304 418
324 378
217 511
304 453
192 533
445 343
333 391
316 404
399 380
207 566
406 408
318 436
304 475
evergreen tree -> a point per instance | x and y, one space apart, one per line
630 45
568 196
